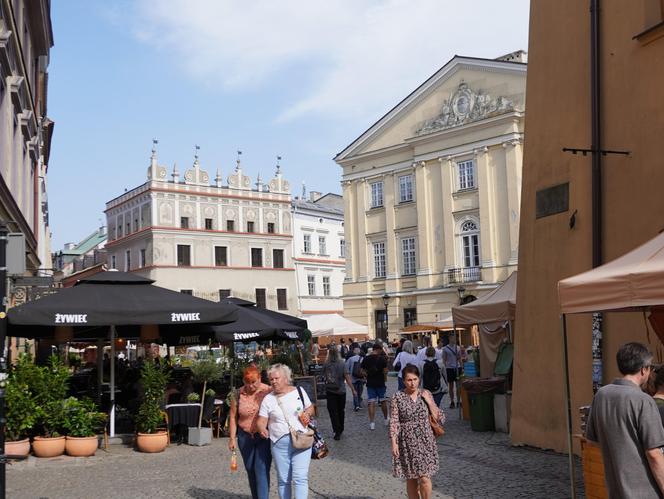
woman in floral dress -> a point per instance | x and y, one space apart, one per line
414 450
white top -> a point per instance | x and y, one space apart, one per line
451 354
292 405
422 354
439 353
405 358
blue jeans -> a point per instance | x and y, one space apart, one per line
357 398
292 465
257 461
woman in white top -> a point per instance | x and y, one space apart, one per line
284 402
405 357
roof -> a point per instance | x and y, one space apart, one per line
303 204
497 306
89 243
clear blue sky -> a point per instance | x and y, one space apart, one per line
293 78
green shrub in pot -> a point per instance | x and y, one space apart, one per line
82 418
153 380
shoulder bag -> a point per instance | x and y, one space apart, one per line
436 425
299 439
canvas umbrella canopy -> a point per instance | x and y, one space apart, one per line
253 324
110 302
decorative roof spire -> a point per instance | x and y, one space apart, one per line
259 183
196 149
175 174
278 172
237 161
217 179
304 190
154 149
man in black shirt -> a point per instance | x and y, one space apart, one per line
375 365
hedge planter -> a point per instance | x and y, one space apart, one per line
48 447
199 436
18 448
152 442
81 446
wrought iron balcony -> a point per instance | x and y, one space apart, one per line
465 274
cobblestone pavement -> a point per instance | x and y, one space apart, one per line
473 465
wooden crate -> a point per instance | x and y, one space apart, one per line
593 470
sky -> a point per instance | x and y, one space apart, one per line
300 79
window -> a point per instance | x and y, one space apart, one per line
282 299
184 222
128 261
307 243
278 258
405 188
409 316
184 255
128 228
187 291
260 298
208 224
113 262
256 257
270 227
143 257
408 256
342 248
224 293
220 256
377 194
322 246
326 285
379 259
466 174
311 285
119 229
135 224
470 242
250 226
230 225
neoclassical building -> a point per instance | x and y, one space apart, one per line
432 195
211 240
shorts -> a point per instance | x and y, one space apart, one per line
376 394
451 375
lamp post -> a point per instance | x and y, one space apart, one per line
462 292
386 301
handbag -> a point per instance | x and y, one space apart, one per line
319 449
299 439
436 425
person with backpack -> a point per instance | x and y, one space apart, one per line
334 374
343 349
375 365
432 375
357 376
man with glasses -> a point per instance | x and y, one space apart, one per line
626 423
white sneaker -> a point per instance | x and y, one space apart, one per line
372 426
386 422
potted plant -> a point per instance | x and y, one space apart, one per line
82 420
193 397
21 407
50 388
204 371
150 415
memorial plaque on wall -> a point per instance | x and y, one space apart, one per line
552 200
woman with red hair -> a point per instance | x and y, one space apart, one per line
254 448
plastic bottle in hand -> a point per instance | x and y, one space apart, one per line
234 462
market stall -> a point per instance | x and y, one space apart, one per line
632 282
328 326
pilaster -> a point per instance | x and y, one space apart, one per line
447 189
424 225
513 165
485 189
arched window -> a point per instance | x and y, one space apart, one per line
470 243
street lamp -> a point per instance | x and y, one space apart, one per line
462 292
386 301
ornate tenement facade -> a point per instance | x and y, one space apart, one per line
432 195
210 240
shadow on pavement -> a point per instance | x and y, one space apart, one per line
198 493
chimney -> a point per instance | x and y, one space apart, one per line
313 196
69 246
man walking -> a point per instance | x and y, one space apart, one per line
375 365
452 361
354 368
626 423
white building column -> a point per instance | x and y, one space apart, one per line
486 193
513 165
424 224
447 189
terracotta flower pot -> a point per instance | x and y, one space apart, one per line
18 447
152 442
81 446
48 447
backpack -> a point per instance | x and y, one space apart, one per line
330 377
357 370
431 375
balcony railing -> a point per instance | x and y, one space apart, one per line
463 275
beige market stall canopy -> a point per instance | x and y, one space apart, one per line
497 306
632 281
333 325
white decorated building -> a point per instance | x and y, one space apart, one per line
207 237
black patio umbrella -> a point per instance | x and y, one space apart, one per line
272 315
239 302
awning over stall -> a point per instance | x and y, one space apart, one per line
333 325
497 306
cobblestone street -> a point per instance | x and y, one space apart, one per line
473 464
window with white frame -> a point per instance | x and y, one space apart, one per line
322 246
377 194
408 262
466 172
326 285
379 259
307 243
405 188
311 284
470 243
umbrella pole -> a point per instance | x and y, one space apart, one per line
572 477
112 412
100 368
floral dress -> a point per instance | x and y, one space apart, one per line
418 452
